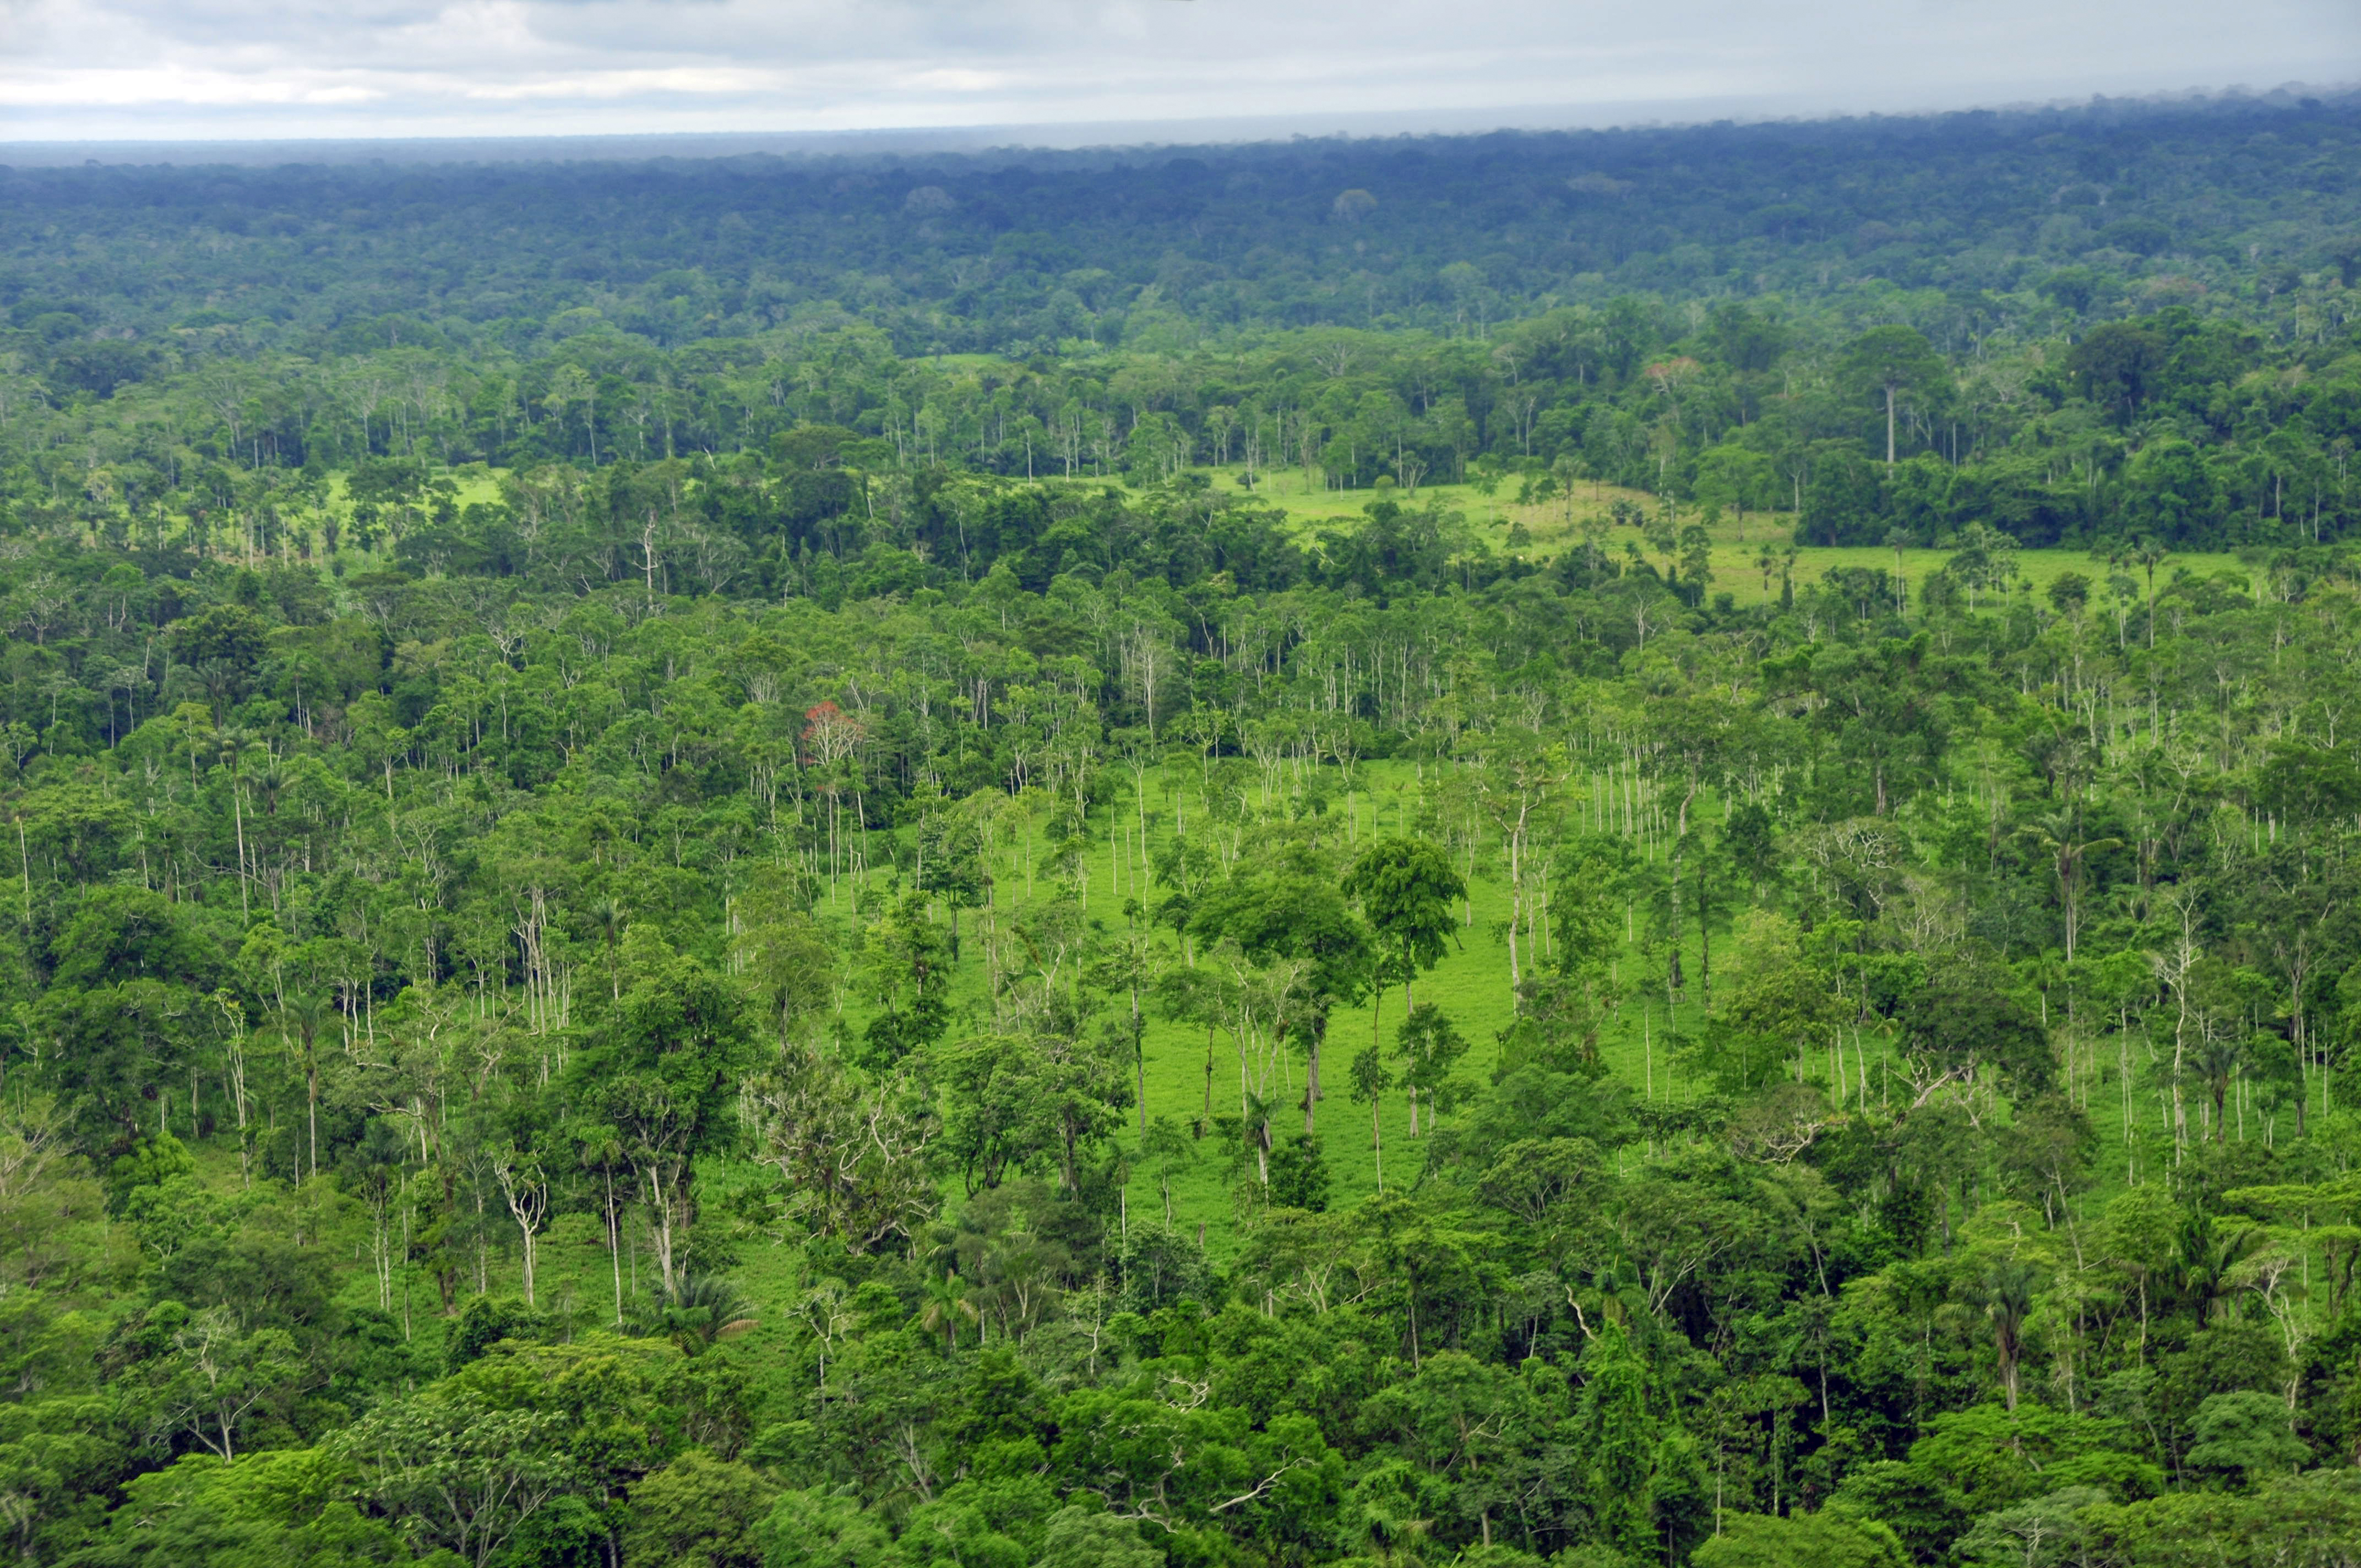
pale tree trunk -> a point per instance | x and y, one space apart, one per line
660 1227
528 1201
1139 1062
381 1250
1409 1091
1317 1034
312 1095
615 1242
236 1075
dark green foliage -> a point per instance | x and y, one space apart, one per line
698 1512
1964 1018
1292 914
483 1323
1405 888
1299 1177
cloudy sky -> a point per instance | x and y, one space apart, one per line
78 70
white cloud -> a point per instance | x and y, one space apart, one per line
98 69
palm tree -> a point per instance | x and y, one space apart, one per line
2147 554
947 1302
2204 1256
2008 1301
2151 554
307 1016
2059 832
702 1309
606 918
2219 1055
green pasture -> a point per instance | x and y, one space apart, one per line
1471 984
1745 553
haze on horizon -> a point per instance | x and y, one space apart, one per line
228 70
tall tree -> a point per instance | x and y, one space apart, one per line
1405 888
1893 361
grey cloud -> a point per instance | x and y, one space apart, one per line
88 69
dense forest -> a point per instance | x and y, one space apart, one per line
2067 326
656 803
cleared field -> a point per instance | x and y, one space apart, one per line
1472 983
1745 551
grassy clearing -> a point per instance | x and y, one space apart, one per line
1471 984
1745 550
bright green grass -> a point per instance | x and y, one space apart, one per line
1309 502
1471 984
478 483
475 482
1554 527
1737 569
